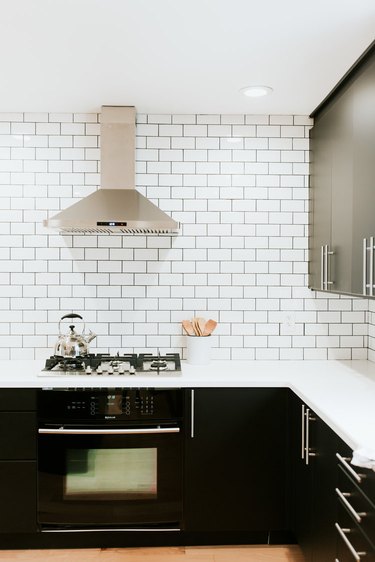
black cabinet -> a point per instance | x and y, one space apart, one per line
236 460
315 479
17 497
17 461
342 179
355 523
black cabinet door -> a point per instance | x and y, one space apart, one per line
325 502
18 497
314 480
236 454
302 475
17 435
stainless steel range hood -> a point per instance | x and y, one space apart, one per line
117 207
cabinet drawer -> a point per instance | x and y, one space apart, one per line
352 544
357 505
17 399
362 477
17 435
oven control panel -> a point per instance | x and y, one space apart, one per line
139 403
110 404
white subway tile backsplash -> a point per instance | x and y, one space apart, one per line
240 258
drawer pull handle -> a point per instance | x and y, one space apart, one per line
343 532
349 507
352 472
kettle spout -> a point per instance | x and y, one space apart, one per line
91 336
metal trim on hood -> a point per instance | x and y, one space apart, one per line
117 207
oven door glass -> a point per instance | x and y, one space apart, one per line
110 480
111 474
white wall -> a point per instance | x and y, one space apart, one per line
241 257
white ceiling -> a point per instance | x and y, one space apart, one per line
177 56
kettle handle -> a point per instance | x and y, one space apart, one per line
72 315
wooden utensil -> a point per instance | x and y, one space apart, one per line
201 323
196 327
187 326
209 327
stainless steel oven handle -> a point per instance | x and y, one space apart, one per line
138 431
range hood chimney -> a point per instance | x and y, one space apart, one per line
117 207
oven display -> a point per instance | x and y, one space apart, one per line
114 404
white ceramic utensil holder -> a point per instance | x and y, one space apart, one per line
198 350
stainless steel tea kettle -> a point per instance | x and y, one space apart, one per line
73 344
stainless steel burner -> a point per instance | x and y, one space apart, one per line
158 365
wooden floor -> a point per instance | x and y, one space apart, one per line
187 554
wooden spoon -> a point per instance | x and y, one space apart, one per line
196 326
187 326
209 327
201 323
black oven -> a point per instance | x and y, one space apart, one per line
110 459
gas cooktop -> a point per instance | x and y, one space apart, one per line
103 365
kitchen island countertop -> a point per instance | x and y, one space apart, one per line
342 393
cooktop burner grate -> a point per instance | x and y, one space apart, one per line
106 364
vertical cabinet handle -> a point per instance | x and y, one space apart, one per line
364 266
192 428
303 432
328 269
308 453
368 268
325 281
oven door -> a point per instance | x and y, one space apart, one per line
110 477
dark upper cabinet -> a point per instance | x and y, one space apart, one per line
321 196
364 176
343 188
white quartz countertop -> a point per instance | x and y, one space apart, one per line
342 393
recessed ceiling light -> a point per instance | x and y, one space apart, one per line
256 91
